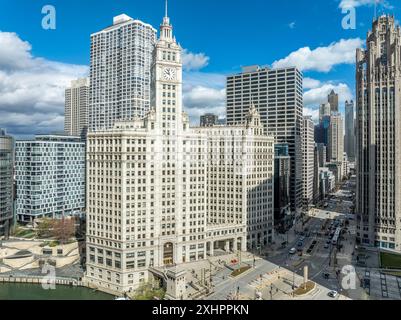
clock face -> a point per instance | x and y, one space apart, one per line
169 74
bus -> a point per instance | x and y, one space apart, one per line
336 236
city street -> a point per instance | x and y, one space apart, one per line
323 261
277 270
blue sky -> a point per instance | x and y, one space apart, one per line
218 37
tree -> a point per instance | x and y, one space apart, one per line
45 228
148 292
63 230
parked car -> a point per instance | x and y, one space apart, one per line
292 251
300 244
333 294
326 246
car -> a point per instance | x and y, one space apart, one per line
326 275
333 294
302 239
300 244
292 251
326 246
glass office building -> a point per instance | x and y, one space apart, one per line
50 175
6 182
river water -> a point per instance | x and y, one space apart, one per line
24 291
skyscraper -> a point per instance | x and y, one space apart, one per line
308 146
349 139
316 193
76 108
378 196
208 120
322 132
322 154
6 182
121 58
50 176
283 219
278 96
335 145
324 110
161 193
333 101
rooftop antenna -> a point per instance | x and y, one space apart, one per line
166 14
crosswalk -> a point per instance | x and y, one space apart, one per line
382 286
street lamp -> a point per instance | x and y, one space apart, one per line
293 279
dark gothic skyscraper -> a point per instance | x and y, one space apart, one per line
333 101
378 105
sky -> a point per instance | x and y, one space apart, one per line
218 38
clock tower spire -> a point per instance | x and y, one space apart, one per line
166 29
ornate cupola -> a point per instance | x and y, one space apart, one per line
166 29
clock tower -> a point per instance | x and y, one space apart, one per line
167 80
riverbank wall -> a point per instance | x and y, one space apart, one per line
43 280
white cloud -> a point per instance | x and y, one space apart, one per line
344 4
202 96
32 88
14 53
194 61
322 59
200 100
204 93
310 83
292 25
315 97
314 113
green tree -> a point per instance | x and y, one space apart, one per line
45 228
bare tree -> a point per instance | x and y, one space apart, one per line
64 229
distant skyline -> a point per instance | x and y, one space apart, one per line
218 37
